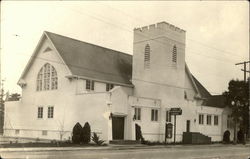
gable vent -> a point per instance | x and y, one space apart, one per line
47 49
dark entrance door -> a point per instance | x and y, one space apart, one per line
118 128
188 126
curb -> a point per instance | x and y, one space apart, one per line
110 147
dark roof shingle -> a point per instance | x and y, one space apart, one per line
88 60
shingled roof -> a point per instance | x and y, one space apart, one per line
210 100
97 62
88 60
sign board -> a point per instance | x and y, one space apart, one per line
169 131
175 111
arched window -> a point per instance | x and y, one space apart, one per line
147 56
46 78
174 54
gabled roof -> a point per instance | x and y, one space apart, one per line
202 90
216 101
208 99
96 62
88 60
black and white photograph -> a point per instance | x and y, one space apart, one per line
124 80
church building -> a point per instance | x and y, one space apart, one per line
68 81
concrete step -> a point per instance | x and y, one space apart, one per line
124 142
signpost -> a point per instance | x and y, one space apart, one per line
175 111
168 131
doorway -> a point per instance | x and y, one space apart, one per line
118 128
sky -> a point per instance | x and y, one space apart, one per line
217 32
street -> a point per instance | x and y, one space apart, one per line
176 152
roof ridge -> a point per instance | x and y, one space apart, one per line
47 32
198 82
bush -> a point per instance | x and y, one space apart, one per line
138 134
86 133
96 139
240 136
226 137
77 130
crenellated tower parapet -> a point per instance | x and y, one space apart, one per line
160 29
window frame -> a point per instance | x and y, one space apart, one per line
47 78
50 114
201 119
216 122
174 54
209 122
137 115
154 115
109 86
44 132
147 53
40 112
17 131
90 85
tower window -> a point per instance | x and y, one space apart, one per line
147 56
174 54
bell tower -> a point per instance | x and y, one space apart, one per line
159 61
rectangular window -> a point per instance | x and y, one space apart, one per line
201 119
50 112
17 131
216 120
209 118
40 112
44 132
154 115
168 116
90 85
109 86
137 114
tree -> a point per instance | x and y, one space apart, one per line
13 97
238 100
86 133
77 130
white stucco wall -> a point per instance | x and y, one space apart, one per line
70 106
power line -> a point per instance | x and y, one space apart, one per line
200 43
244 70
149 38
111 74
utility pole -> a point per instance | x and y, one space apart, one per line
1 108
245 80
244 70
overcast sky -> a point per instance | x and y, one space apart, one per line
217 32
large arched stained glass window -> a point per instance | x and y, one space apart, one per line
47 78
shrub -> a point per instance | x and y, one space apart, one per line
96 139
86 133
226 137
138 134
77 130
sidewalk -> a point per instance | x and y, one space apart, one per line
114 147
